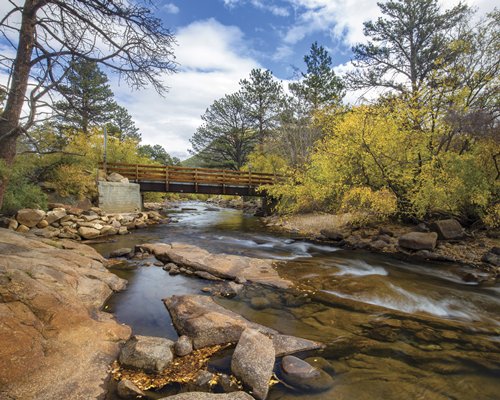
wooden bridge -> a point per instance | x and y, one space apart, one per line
176 179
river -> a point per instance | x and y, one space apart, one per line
393 329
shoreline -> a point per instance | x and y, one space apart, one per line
469 252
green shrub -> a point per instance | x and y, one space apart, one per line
22 194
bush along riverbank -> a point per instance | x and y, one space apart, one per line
442 241
68 222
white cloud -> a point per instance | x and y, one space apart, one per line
343 19
279 11
282 52
213 59
171 8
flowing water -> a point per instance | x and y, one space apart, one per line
393 329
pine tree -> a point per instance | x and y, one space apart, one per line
226 137
122 125
88 98
406 45
263 98
320 86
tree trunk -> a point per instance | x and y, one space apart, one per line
9 123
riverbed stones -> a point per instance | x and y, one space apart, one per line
302 375
253 361
55 215
223 266
418 240
259 303
208 323
123 252
128 390
332 234
448 229
492 257
210 396
149 353
183 346
30 217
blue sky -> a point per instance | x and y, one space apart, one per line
274 32
220 41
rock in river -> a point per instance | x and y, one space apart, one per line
253 361
208 324
220 265
302 375
149 353
183 346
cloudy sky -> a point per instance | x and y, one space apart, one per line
220 41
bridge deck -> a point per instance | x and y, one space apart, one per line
176 179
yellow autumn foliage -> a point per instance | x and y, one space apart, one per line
384 159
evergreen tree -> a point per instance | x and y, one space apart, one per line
226 137
406 45
88 98
263 97
159 154
319 86
122 125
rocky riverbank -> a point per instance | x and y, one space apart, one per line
441 241
55 341
204 327
68 222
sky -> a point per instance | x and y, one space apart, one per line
220 41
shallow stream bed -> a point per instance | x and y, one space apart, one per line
393 329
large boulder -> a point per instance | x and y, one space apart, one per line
152 354
88 233
207 324
55 341
418 240
223 266
29 217
210 396
302 375
448 229
253 361
115 177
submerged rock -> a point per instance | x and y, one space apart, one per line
253 361
302 375
149 353
223 266
121 252
208 324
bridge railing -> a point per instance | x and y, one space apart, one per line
179 174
